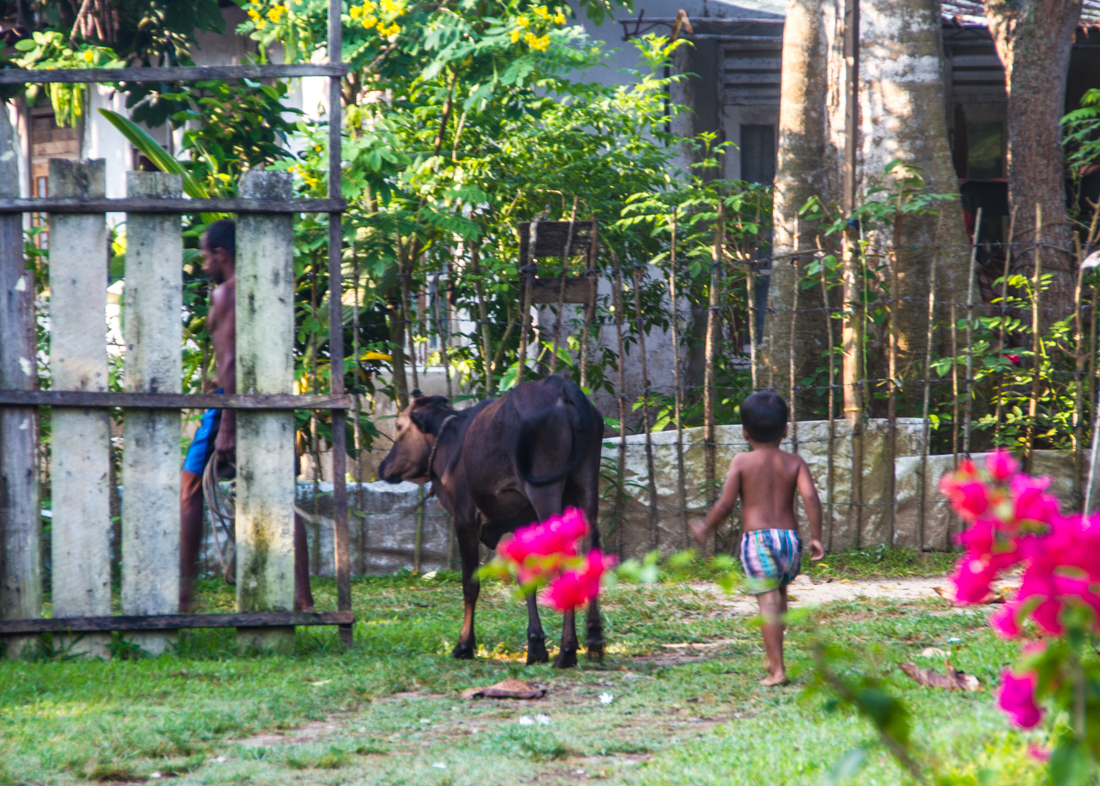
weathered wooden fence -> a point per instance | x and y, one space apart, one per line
80 400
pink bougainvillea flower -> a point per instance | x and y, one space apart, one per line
1017 699
969 498
541 551
1006 623
1038 752
972 578
579 586
1001 465
1013 359
1031 503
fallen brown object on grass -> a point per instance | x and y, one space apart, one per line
952 680
509 689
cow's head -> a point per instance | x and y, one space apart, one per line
417 428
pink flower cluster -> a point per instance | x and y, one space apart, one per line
1015 522
549 553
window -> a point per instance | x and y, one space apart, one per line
758 153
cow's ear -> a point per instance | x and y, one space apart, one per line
420 419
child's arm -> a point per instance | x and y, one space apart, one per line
723 506
813 510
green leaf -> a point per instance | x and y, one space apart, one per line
846 766
160 157
1071 765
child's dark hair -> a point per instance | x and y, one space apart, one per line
223 234
764 416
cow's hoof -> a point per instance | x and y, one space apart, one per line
463 652
536 651
595 650
567 659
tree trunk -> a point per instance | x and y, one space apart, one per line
1033 39
800 175
904 119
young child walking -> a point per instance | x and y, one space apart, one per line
765 480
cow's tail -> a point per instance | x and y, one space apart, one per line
581 432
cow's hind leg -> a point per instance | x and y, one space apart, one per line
594 640
536 636
547 501
468 550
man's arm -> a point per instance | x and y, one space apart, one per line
722 507
224 335
812 502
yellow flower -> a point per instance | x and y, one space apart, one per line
355 12
391 7
541 11
523 21
276 13
369 22
515 35
559 18
88 56
254 15
540 44
392 30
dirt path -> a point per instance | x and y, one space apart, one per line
805 592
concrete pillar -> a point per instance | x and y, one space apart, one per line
151 452
265 440
79 439
20 525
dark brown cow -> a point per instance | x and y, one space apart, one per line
504 464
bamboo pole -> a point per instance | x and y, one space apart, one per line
561 287
927 427
357 411
590 306
954 387
1036 345
483 318
528 272
892 404
792 394
1078 376
710 351
678 396
750 283
852 370
967 403
654 531
418 534
830 505
314 426
1001 326
617 300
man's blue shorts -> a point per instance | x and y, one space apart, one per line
202 447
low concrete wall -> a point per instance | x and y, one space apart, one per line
382 517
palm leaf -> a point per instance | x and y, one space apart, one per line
160 158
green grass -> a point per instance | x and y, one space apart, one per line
388 711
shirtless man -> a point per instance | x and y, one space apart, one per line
218 431
765 480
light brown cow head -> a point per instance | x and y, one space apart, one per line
417 427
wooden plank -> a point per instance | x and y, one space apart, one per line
20 523
976 61
17 76
731 80
753 64
265 440
150 456
179 205
79 439
546 290
982 77
86 399
175 622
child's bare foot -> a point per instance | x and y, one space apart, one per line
778 678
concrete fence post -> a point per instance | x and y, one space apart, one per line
265 440
154 364
80 439
20 525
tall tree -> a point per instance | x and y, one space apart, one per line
1033 39
800 175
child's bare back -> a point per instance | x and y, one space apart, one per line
764 480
